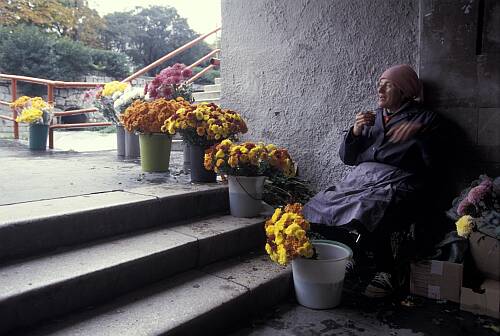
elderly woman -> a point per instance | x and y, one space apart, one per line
392 149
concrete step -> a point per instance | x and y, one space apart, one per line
34 227
215 101
206 301
217 80
213 87
202 96
177 145
50 286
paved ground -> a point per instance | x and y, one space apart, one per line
28 176
34 175
358 316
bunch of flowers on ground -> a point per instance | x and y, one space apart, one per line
286 237
103 98
248 159
478 208
204 124
169 84
33 110
149 117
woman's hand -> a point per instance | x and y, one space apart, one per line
363 119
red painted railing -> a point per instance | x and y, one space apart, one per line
80 85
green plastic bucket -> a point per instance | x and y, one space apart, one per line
38 136
155 152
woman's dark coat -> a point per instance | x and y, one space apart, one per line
386 173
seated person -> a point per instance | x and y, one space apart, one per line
392 151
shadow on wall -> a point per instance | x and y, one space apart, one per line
454 168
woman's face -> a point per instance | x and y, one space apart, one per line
389 96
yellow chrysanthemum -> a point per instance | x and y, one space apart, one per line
112 87
270 230
30 115
268 248
282 255
226 142
276 215
465 225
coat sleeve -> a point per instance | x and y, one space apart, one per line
350 147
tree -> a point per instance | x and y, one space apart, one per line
69 18
25 50
146 34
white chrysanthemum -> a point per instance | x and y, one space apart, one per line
127 97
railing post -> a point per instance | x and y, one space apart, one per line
50 100
13 89
51 138
50 93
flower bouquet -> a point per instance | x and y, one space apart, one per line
147 119
169 84
201 126
38 114
318 266
246 166
248 159
286 237
103 98
477 215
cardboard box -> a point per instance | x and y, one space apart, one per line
486 302
440 280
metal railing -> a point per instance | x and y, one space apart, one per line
51 85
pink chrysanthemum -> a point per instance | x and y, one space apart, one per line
478 194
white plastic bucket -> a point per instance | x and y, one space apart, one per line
245 195
318 283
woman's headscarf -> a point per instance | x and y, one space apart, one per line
405 78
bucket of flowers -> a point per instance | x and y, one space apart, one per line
103 98
477 214
201 126
130 141
246 166
38 114
146 118
318 266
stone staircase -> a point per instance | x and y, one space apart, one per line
210 94
146 261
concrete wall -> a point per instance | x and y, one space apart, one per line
460 66
299 70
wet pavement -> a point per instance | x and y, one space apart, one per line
35 175
360 316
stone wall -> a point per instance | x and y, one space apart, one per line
64 98
300 70
460 67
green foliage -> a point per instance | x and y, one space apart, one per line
72 59
110 63
147 34
68 18
280 190
208 77
27 51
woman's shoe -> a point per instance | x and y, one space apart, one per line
380 286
